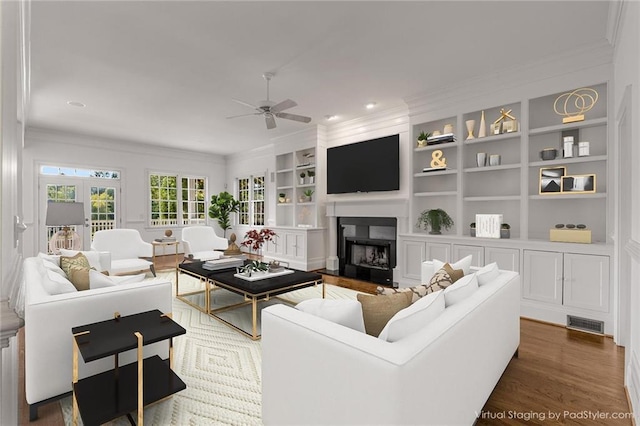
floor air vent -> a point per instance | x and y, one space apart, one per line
585 324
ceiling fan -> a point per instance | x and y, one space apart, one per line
270 109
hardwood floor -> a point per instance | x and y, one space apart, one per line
570 375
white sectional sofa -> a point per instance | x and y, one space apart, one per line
49 319
318 372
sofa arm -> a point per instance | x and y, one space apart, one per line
48 339
304 356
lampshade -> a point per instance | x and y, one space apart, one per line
64 214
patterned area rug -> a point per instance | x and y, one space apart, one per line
221 367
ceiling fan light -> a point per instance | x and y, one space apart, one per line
370 105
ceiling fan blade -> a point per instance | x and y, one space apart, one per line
244 115
271 122
245 104
294 117
286 104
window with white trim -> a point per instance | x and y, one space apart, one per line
176 200
250 195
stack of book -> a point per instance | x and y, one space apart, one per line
166 240
445 138
222 263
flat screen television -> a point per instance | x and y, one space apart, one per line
368 166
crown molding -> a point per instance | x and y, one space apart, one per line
40 134
614 20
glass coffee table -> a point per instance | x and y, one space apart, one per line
241 293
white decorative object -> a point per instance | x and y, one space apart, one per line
482 131
583 149
255 276
448 128
481 159
568 146
494 160
488 225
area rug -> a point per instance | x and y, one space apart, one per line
221 367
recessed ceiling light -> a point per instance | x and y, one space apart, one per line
330 117
370 105
76 104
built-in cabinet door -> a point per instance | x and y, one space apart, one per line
506 258
294 245
543 276
414 254
274 247
476 252
586 281
440 251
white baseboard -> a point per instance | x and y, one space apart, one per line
632 382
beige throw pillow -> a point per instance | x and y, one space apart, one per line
79 277
416 292
77 261
378 310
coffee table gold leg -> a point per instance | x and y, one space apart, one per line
324 290
254 319
75 380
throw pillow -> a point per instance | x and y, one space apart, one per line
51 266
464 264
459 291
55 284
93 257
415 317
55 258
102 279
344 312
488 273
440 280
78 260
378 310
79 277
416 292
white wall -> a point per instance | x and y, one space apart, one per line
134 161
627 95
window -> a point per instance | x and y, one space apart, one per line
251 198
177 200
68 171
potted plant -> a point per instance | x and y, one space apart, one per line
254 267
436 220
505 231
312 176
282 197
222 205
472 229
255 239
422 138
302 176
308 193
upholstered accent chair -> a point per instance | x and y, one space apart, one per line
126 247
201 243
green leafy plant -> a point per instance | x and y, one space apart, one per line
436 220
472 225
311 173
302 175
423 136
505 226
282 195
222 205
253 267
308 193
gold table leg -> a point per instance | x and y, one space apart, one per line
254 315
75 380
140 379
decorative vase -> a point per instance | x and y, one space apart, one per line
448 128
312 179
470 125
482 131
282 199
301 181
481 159
435 231
472 232
422 143
505 233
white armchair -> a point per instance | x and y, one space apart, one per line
126 247
200 243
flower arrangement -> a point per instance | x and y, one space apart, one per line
255 239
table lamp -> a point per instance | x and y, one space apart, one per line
65 214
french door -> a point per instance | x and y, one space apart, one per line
101 205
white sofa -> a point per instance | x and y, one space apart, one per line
318 372
49 319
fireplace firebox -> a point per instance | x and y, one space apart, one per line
367 248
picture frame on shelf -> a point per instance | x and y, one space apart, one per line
551 180
579 184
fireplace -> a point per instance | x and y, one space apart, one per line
367 248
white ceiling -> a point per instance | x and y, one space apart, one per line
165 72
